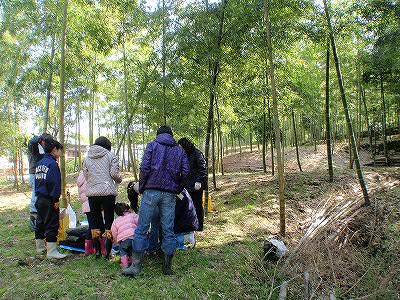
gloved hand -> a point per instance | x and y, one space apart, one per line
197 186
136 187
180 196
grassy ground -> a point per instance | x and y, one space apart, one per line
214 270
227 261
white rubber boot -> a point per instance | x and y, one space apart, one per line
190 238
52 251
40 246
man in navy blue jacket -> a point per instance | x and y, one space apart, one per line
164 166
48 191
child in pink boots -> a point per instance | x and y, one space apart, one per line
123 230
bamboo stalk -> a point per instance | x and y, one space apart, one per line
283 291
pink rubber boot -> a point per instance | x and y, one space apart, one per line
89 247
124 261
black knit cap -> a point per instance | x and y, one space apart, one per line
120 208
164 129
187 145
50 144
46 136
104 142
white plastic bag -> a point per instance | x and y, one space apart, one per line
71 216
281 248
274 249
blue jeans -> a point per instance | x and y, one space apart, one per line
155 236
180 241
33 197
150 202
125 247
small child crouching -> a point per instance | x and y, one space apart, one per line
123 230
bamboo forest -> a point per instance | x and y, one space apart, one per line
274 125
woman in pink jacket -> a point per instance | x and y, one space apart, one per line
123 230
82 188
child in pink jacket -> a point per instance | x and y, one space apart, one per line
82 187
123 230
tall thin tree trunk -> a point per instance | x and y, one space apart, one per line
76 143
221 159
359 99
221 153
367 121
213 153
385 152
240 146
271 138
15 168
130 154
212 96
232 138
78 112
251 140
63 202
281 178
295 141
92 102
346 111
264 138
21 164
142 119
163 63
375 138
315 136
50 79
123 165
327 116
134 165
128 125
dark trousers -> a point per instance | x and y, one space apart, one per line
97 204
125 247
47 221
198 205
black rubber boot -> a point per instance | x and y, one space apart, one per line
108 237
32 221
136 267
108 248
167 264
96 242
97 246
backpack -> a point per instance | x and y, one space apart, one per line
33 147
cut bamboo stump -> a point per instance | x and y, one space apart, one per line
332 296
307 286
283 291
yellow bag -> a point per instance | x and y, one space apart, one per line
209 202
63 225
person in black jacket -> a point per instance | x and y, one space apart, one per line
35 154
48 192
196 181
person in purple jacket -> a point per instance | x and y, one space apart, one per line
164 166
